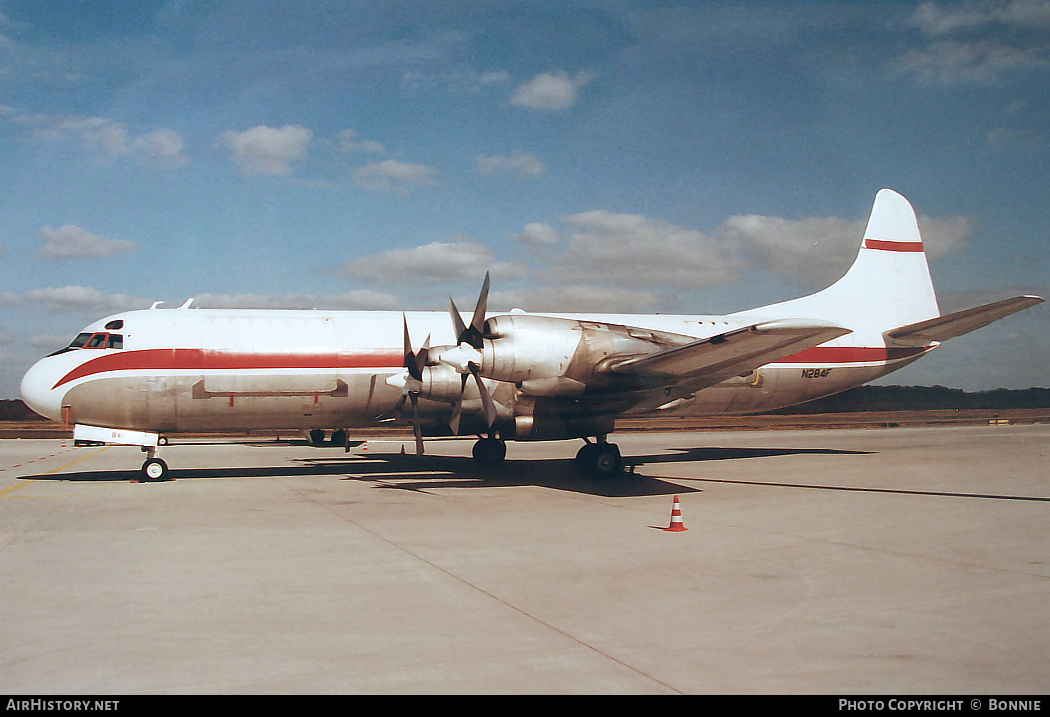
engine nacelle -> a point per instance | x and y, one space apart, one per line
550 356
443 383
529 348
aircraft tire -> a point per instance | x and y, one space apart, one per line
599 460
154 469
489 451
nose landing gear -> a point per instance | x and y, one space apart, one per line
154 468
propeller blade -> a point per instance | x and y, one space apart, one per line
474 333
453 422
457 320
416 431
415 361
410 354
486 400
477 323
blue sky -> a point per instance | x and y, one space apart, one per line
608 156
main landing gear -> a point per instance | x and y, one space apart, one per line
489 451
599 459
317 437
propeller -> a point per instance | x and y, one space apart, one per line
466 357
415 361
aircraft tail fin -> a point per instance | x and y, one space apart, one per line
888 285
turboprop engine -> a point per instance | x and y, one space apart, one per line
525 358
534 352
548 356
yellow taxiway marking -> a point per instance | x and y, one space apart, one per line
24 483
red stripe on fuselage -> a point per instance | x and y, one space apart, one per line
881 245
201 360
159 360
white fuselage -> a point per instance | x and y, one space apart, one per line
239 370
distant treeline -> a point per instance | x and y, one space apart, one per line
862 398
922 398
15 410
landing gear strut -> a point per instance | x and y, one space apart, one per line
599 459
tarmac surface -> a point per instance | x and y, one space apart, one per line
878 561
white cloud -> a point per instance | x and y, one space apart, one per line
551 91
811 252
953 62
637 255
82 299
463 260
576 297
637 251
165 146
268 151
968 16
814 252
363 300
393 175
979 42
495 77
539 234
357 299
72 242
111 139
522 165
350 141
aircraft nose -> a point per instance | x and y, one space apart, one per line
37 392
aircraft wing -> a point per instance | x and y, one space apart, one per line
712 360
958 323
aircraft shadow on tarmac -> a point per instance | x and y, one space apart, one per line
429 472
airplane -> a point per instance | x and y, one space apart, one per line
134 377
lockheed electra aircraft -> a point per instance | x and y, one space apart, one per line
134 377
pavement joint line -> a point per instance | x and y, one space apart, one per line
24 483
493 596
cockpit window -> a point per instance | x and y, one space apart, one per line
97 340
79 341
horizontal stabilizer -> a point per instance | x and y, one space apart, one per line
715 359
958 323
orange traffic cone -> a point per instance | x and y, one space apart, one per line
676 525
